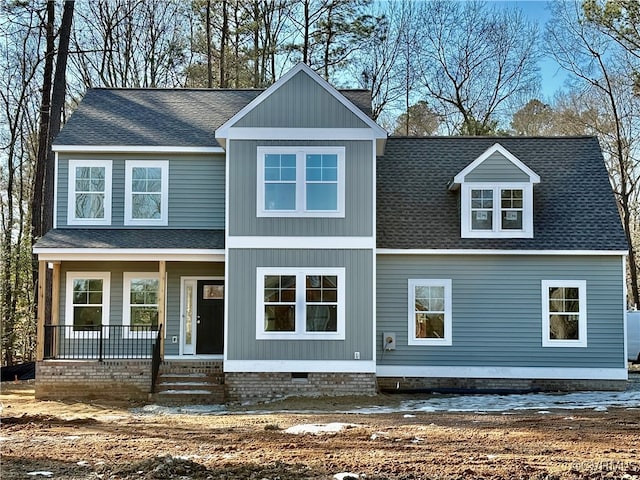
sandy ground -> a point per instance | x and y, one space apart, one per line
94 441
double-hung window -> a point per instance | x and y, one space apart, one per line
300 303
89 192
140 302
87 303
499 211
429 310
564 313
146 192
301 181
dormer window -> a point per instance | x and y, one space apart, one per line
496 196
501 209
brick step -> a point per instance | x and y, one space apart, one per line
196 378
190 397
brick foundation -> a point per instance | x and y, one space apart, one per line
495 384
119 380
243 387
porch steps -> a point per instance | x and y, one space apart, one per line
190 384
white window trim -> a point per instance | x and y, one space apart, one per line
300 332
582 318
106 302
497 231
126 302
164 192
301 153
71 204
412 339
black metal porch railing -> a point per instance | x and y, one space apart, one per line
100 342
156 359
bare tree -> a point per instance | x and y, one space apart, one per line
473 58
598 66
23 34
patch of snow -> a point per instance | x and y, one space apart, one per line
183 409
345 476
409 416
544 412
42 473
317 429
82 463
71 437
4 439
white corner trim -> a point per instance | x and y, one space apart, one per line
328 243
459 178
134 149
442 251
310 366
56 183
551 373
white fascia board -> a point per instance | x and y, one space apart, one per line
129 254
421 251
551 373
302 366
346 243
223 131
459 178
133 149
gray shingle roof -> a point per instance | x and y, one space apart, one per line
132 238
162 117
574 207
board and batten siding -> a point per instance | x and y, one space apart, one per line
196 189
497 310
241 300
175 271
496 168
359 171
301 103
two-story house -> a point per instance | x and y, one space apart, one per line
277 243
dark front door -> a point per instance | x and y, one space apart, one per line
210 317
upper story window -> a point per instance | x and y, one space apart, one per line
300 303
497 210
89 192
146 193
300 182
496 196
564 313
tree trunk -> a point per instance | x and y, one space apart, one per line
224 38
209 53
43 136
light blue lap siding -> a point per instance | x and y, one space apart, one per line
196 189
301 103
497 310
359 171
241 292
496 168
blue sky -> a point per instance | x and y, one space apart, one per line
552 75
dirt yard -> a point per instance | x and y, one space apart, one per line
93 441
